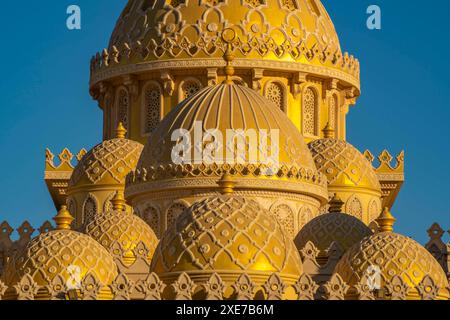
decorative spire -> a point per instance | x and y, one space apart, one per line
228 36
386 221
336 204
121 131
63 219
227 184
118 201
328 131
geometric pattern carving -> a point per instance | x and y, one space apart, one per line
336 288
174 211
309 112
305 288
152 287
274 287
244 288
397 288
199 240
325 229
396 256
428 289
51 254
123 106
90 208
285 216
26 288
190 88
108 163
122 287
184 287
354 207
275 93
214 288
343 164
152 107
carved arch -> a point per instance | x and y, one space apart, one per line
122 107
152 106
310 111
90 207
188 87
354 207
276 91
174 210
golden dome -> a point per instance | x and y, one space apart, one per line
228 235
224 107
108 163
325 229
267 29
343 164
53 253
395 255
125 228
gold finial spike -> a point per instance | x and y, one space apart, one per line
118 201
386 221
336 204
228 36
121 131
328 131
63 219
227 184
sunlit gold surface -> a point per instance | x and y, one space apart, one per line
125 228
228 235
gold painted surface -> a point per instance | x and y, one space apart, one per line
343 164
126 228
225 107
299 31
325 229
395 255
51 254
227 235
107 163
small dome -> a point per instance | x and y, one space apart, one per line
343 164
125 228
108 163
394 255
325 229
228 235
51 254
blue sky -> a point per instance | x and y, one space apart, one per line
405 102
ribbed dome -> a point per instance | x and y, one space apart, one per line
126 228
51 254
228 235
225 107
325 229
343 164
267 29
395 255
108 163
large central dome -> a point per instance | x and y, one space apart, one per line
185 28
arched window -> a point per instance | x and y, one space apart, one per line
285 216
374 210
123 108
90 208
151 216
72 206
276 93
173 212
354 207
152 106
310 110
188 88
334 114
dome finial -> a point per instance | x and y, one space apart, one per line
118 201
227 184
386 221
63 219
121 131
229 35
336 204
328 131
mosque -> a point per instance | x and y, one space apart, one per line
133 225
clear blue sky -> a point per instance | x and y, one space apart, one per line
44 99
